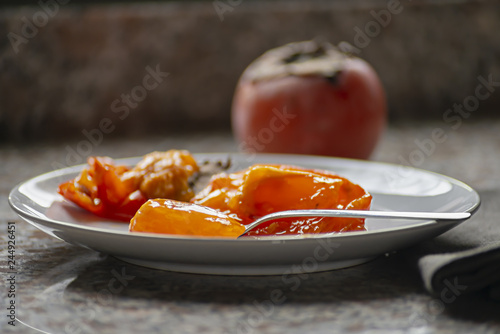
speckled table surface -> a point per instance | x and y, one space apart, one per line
60 288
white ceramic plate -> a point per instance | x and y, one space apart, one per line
393 188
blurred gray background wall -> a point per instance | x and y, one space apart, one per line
67 68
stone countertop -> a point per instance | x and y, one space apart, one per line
61 288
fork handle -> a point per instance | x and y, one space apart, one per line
360 214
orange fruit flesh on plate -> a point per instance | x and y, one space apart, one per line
174 217
264 189
269 189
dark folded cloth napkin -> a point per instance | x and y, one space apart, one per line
451 274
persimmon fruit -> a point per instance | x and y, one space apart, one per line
309 98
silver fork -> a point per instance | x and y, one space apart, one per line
437 216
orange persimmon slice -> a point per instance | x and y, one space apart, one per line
99 190
117 192
264 189
174 217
